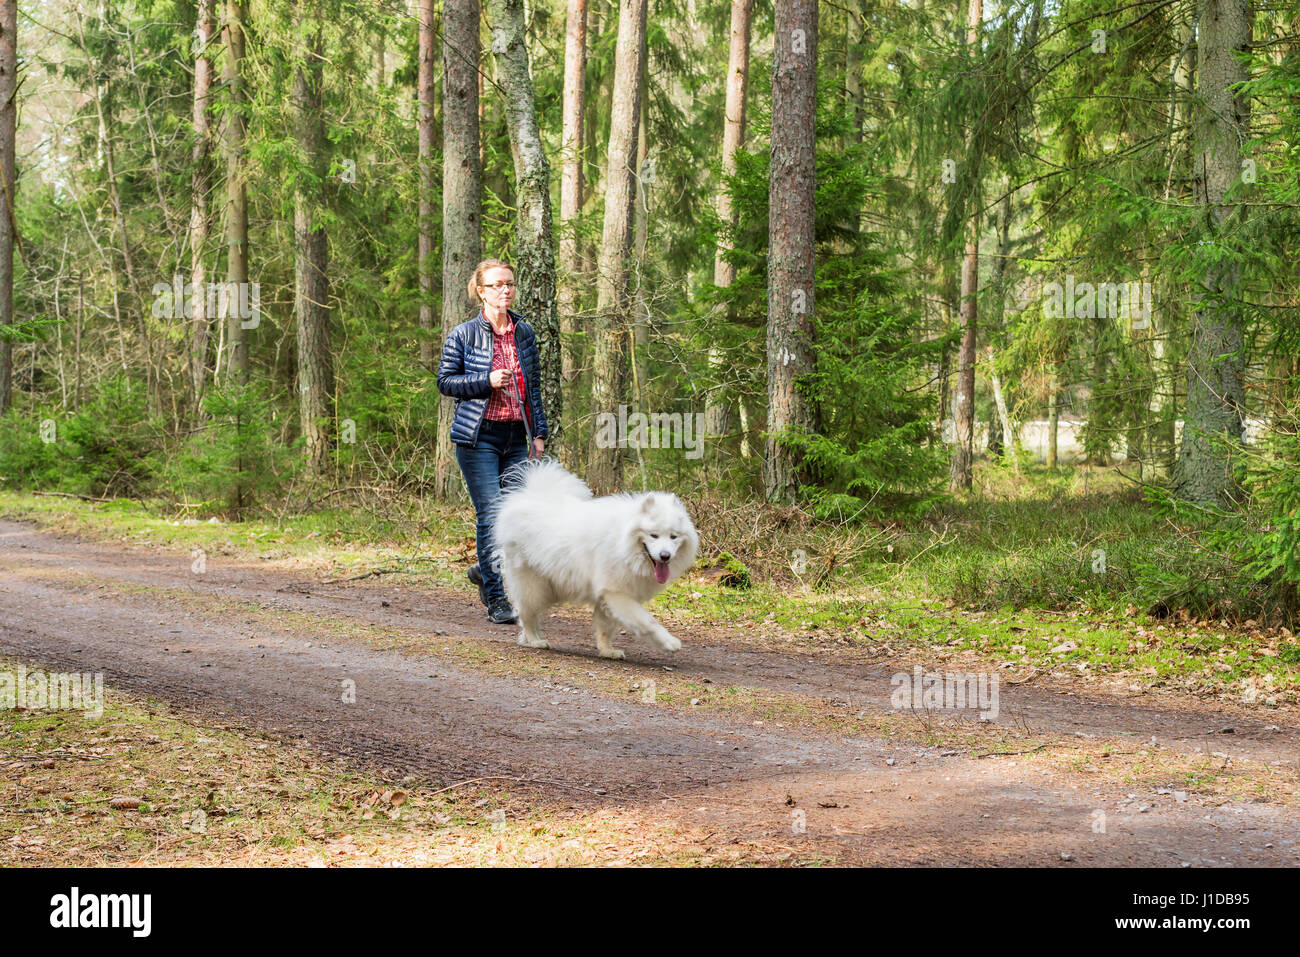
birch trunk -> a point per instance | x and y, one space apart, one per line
534 240
571 147
716 408
963 452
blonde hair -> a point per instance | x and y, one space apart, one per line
476 280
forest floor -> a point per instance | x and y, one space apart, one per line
316 716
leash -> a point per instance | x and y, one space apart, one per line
528 431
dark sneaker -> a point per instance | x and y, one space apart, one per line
476 577
500 613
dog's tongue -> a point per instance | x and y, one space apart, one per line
661 572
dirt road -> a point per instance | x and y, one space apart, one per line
441 692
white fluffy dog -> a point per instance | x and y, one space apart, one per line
555 543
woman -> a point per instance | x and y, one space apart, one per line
491 368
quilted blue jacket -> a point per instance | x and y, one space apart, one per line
466 365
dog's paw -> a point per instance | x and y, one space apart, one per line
533 642
614 653
670 642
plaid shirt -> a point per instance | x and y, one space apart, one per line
502 405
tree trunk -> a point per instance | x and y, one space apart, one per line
200 183
1099 431
716 413
744 427
949 293
236 192
482 113
456 12
571 147
1000 429
1004 419
638 303
994 444
645 180
103 98
640 235
311 258
1182 94
1161 439
963 452
1053 420
1215 360
853 96
1160 431
853 66
81 324
462 177
610 327
1134 452
944 373
8 138
534 240
791 265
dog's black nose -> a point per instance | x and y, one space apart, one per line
664 556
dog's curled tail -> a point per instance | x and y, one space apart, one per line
546 479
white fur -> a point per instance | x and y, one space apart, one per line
555 544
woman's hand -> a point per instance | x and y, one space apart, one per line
538 447
499 378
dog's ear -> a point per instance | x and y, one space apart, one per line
648 503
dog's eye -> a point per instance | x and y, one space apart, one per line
672 537
654 536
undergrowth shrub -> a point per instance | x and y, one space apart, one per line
110 447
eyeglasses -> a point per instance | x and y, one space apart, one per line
500 285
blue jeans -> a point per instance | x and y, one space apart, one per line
500 445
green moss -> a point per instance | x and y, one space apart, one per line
737 575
